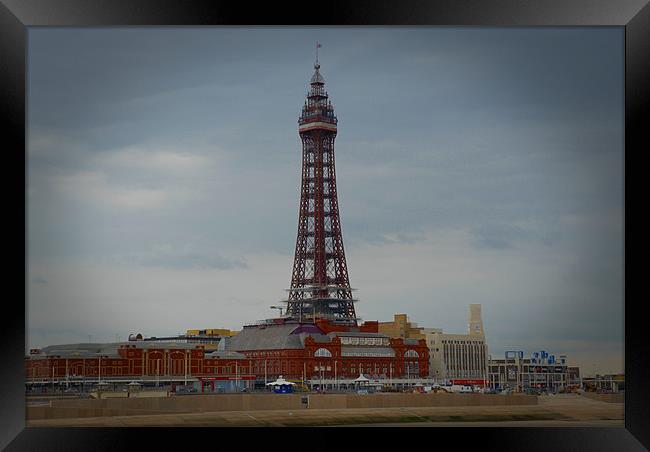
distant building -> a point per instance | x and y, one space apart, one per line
574 376
148 362
324 350
541 371
605 383
459 358
401 327
211 332
212 339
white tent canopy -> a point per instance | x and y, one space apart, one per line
279 382
361 378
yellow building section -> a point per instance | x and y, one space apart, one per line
211 332
401 327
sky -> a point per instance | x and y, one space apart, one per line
474 165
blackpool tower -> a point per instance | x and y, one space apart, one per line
320 286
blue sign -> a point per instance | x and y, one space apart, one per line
282 389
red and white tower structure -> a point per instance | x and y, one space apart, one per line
320 286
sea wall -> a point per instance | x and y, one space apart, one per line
80 408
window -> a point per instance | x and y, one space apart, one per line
323 352
411 354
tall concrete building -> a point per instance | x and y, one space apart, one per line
461 358
475 326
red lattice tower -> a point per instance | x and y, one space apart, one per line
320 286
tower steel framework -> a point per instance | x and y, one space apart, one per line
320 286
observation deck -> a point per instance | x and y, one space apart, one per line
318 112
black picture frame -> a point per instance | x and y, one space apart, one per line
17 15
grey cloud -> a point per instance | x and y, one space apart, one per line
182 260
504 235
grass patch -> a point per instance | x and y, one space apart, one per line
396 419
410 419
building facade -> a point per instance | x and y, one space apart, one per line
150 363
456 358
325 350
401 327
460 358
604 383
518 373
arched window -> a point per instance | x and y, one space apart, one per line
323 352
411 354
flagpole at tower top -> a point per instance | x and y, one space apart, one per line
318 45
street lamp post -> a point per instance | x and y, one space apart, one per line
336 379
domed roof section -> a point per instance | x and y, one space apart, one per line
317 78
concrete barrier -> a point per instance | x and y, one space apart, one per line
109 395
251 402
140 394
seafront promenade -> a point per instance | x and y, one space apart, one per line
327 409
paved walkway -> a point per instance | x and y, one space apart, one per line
559 410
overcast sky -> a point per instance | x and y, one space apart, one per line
474 165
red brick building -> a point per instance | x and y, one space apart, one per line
135 359
325 350
259 352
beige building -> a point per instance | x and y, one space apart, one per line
459 356
212 332
401 327
452 356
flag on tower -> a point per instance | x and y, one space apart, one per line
318 45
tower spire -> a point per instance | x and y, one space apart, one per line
319 281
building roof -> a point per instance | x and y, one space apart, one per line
356 334
317 77
307 328
273 337
83 350
110 349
